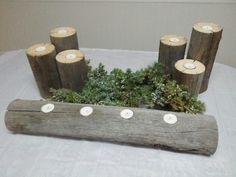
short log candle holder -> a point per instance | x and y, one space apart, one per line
72 68
172 48
189 73
43 64
64 38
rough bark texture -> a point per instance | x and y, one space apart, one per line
170 52
65 43
45 71
191 133
203 47
191 78
73 73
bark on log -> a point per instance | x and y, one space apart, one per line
189 73
42 59
203 46
72 68
171 49
64 38
175 131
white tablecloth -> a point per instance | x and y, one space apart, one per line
37 156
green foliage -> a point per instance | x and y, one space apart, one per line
148 87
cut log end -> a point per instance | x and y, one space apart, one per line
40 49
62 32
207 27
69 56
174 40
190 66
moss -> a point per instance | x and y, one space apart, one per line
149 87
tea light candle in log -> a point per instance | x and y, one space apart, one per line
64 38
72 68
42 59
203 46
171 49
189 73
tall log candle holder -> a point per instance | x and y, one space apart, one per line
171 49
72 68
204 42
42 60
189 73
64 38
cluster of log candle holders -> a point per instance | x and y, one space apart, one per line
60 64
204 42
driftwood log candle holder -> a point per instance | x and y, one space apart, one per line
64 38
203 46
175 131
189 73
72 68
43 64
171 49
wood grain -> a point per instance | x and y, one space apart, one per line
191 133
189 73
171 49
42 59
203 46
64 38
73 69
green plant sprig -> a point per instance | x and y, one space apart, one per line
148 87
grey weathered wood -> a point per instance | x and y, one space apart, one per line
203 46
191 133
170 52
44 68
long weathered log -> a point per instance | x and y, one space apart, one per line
152 128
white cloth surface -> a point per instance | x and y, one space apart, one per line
38 156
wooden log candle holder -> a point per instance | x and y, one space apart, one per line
204 42
43 64
175 131
64 38
72 68
189 73
171 49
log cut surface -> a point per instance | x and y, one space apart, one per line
187 133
